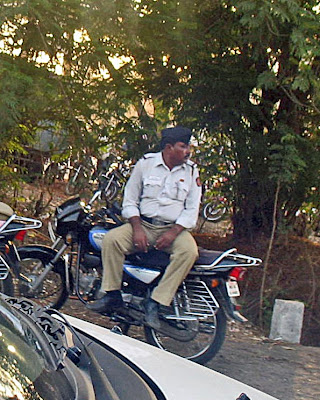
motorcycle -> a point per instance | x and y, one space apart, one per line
12 227
194 326
215 209
115 174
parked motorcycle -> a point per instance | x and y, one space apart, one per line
214 205
115 174
194 326
215 209
115 179
13 226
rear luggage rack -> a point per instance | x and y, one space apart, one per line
229 259
28 223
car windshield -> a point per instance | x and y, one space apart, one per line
26 371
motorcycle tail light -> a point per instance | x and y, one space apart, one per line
238 273
20 235
7 249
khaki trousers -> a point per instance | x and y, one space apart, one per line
118 242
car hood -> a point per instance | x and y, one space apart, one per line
178 378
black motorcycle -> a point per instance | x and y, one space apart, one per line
12 226
194 326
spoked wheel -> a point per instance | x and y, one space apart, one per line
214 211
76 183
197 340
111 191
52 291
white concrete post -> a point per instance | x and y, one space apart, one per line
287 321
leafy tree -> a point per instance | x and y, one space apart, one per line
244 75
101 102
23 90
247 72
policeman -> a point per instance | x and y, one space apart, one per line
161 202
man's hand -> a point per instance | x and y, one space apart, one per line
168 237
140 241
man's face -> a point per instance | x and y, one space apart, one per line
180 152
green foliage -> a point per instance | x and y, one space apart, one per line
285 162
243 75
267 80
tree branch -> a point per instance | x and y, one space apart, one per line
266 262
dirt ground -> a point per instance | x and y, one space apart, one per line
284 370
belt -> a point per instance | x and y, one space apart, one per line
155 221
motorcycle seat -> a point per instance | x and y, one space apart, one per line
153 259
5 211
207 257
159 259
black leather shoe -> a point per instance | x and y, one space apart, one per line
109 301
151 318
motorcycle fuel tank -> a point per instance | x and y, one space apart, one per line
96 236
142 274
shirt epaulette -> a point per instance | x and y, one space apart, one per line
192 165
149 155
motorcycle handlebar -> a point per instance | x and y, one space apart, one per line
114 217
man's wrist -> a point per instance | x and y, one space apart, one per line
135 222
177 228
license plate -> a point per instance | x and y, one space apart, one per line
233 288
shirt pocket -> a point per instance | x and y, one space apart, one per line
180 191
151 187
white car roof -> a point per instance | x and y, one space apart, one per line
178 378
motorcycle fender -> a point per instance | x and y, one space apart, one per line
221 294
45 250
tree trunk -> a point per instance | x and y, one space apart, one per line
253 211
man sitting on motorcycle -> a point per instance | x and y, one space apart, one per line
161 202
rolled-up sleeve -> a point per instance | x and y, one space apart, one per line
132 193
189 215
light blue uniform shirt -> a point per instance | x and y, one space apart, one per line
155 191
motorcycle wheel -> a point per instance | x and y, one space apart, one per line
75 185
202 345
111 191
214 211
53 291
